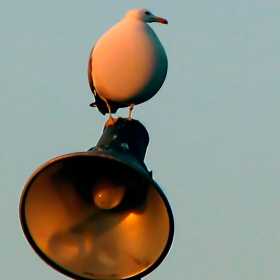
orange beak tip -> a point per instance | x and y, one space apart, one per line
161 20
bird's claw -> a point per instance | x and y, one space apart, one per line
111 121
129 118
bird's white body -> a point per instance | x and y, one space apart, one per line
128 63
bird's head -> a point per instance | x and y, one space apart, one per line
145 16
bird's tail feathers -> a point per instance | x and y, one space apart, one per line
100 110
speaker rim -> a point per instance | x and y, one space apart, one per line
112 155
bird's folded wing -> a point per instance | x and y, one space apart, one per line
90 80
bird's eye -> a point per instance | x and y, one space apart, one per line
147 13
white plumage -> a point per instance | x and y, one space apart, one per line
128 64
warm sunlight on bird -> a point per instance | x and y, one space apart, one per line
128 64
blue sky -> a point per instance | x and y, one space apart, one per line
214 125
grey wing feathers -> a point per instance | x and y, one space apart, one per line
90 80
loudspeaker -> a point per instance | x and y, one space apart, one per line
99 214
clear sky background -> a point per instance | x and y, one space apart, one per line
214 125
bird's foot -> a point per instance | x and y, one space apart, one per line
130 112
111 121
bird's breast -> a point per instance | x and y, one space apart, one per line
129 63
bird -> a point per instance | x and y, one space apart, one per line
128 64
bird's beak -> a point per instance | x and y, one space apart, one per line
160 20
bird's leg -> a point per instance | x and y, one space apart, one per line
130 112
111 120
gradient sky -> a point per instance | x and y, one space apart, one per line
214 125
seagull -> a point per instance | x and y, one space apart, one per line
128 64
